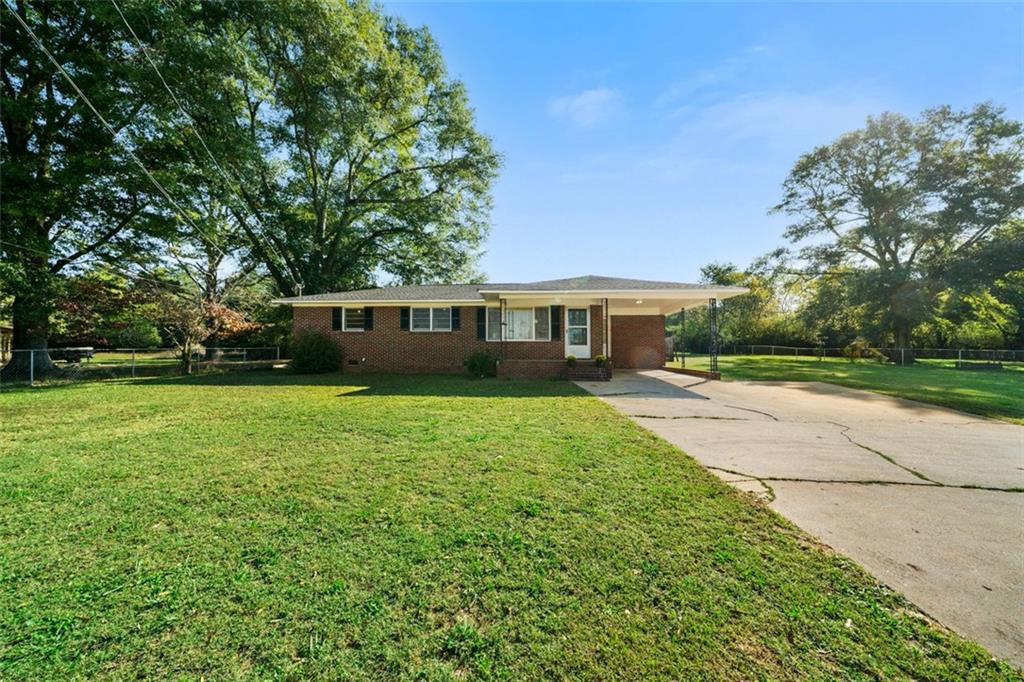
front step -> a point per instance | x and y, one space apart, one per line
589 372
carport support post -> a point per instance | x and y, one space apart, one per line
682 337
606 328
713 334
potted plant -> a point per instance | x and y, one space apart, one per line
571 361
601 360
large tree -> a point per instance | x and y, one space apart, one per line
898 208
359 153
71 192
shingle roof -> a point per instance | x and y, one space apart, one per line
424 292
471 292
596 283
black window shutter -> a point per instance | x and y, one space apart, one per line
481 323
403 319
556 322
455 318
368 319
336 319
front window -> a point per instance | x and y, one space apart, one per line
441 319
521 324
355 319
494 324
431 319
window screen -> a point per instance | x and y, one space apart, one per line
421 319
442 319
494 324
541 324
355 319
519 324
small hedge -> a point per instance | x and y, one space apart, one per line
482 364
315 353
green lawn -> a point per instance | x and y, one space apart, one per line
269 525
998 393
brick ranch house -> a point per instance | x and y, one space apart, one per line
531 328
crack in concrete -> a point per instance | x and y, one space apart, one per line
686 416
887 458
750 409
649 394
763 480
769 491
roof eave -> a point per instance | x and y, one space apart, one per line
603 293
382 301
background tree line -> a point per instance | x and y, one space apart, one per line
906 233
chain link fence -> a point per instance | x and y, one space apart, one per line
69 365
962 356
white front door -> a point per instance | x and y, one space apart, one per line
577 332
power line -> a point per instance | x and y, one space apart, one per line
110 128
229 180
110 266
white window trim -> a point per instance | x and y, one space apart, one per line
504 327
432 329
344 321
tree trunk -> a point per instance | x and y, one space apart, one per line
904 353
31 320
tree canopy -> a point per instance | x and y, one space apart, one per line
321 143
903 209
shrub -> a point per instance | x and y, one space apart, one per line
137 334
571 361
482 364
315 353
861 348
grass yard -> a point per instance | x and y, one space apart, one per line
270 525
998 394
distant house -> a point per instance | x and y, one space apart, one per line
532 328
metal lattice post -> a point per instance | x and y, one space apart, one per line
682 337
713 334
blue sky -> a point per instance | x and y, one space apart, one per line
644 140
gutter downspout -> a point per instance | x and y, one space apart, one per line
502 308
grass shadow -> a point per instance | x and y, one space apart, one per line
436 385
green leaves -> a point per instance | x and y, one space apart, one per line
905 205
362 152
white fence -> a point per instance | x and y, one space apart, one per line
62 365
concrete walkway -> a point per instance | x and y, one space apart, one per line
930 500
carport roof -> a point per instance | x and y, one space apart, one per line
477 293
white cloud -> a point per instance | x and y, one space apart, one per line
743 138
588 109
706 79
785 120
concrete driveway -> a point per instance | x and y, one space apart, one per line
930 500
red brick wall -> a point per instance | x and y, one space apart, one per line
596 330
638 341
532 369
389 349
